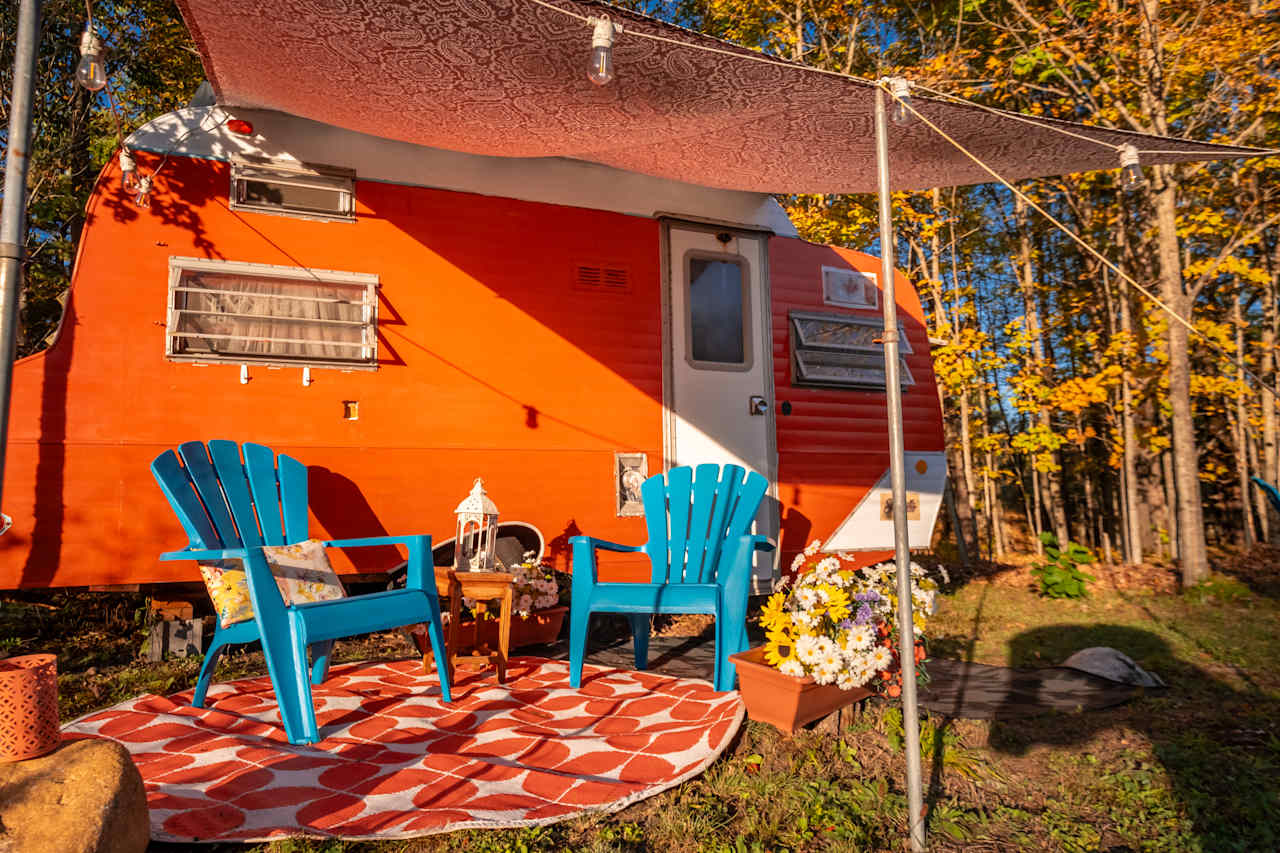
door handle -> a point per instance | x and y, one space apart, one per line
757 405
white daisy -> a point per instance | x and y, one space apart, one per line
807 649
791 666
859 637
880 658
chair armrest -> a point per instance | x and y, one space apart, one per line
603 544
416 565
735 560
584 562
370 541
188 554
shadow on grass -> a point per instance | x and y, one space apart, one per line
1217 745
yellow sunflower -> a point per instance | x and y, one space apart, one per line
779 647
772 616
837 602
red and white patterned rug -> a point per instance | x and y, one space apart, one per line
396 762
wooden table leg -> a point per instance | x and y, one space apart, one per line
504 634
455 617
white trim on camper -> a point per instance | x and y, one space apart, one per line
869 527
282 138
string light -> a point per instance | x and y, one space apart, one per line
1131 177
128 171
90 73
600 71
142 195
900 89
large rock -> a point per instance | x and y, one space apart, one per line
85 797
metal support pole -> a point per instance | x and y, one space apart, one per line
13 219
898 478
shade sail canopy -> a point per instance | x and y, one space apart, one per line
508 78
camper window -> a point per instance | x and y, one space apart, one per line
240 312
841 351
719 330
313 193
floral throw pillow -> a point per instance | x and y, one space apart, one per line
302 573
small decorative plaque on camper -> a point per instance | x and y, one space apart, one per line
849 288
913 506
630 471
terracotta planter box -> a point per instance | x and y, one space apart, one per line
785 701
541 628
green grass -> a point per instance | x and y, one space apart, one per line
1193 768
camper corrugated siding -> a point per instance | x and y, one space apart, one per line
494 361
834 444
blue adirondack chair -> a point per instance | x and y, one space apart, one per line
1273 494
701 550
229 510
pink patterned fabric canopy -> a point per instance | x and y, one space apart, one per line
508 78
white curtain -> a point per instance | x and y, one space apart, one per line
267 316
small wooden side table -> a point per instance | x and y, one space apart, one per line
482 586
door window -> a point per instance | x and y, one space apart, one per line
719 306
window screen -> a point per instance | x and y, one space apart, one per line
840 351
298 191
221 311
718 312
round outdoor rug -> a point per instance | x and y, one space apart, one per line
397 762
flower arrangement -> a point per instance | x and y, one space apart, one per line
836 623
534 588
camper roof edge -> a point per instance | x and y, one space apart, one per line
287 139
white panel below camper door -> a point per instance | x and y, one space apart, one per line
720 359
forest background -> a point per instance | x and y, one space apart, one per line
1073 403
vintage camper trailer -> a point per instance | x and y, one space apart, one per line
403 319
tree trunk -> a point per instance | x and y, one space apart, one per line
990 489
1031 311
1186 456
1170 501
1238 427
1267 370
1038 498
1128 429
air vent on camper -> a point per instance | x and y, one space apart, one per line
601 278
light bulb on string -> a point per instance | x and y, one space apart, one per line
900 89
600 71
142 195
128 171
90 72
1131 177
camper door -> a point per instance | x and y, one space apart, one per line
719 356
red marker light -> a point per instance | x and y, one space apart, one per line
240 126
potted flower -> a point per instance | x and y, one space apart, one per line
536 611
831 639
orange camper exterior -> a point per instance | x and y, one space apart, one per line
538 324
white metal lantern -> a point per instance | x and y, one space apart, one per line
477 535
